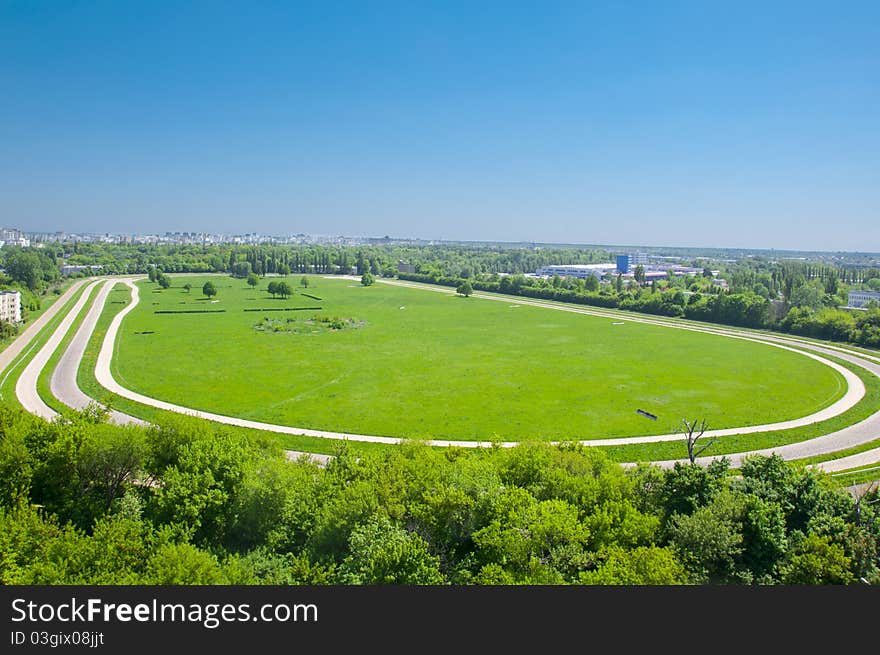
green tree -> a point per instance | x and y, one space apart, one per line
209 290
253 280
109 460
182 564
304 282
465 289
367 278
817 561
383 553
241 269
639 274
164 281
16 468
26 267
533 541
687 487
188 287
272 288
709 542
807 295
283 289
646 565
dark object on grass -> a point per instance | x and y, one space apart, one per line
646 414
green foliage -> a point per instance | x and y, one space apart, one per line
383 553
688 487
367 278
200 488
709 541
87 502
817 561
31 268
645 565
182 564
208 289
242 269
15 469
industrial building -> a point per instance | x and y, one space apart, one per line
576 270
626 263
861 298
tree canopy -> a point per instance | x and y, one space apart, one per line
187 502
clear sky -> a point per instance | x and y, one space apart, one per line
693 123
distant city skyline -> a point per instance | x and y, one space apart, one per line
750 126
186 236
418 237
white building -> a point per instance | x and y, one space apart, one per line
862 298
577 270
638 258
14 237
10 306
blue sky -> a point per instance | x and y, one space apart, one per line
740 124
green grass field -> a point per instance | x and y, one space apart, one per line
422 364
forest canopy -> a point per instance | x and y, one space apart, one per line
188 502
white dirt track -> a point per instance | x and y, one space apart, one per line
64 386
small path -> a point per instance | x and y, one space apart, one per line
63 383
26 386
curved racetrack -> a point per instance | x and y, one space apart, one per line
64 385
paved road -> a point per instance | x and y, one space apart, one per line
26 387
8 355
866 430
63 383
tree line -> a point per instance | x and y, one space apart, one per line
799 297
804 311
189 502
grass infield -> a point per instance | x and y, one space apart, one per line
428 365
637 452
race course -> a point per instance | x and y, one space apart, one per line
64 383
